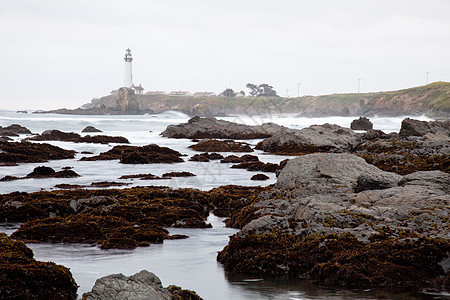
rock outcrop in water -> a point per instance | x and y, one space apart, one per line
148 154
362 123
57 135
221 146
209 127
123 219
23 277
337 219
140 286
13 130
26 152
316 138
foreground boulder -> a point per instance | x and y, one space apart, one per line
336 219
22 277
140 286
316 138
210 127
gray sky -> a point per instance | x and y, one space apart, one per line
60 53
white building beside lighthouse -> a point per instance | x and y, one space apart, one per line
128 80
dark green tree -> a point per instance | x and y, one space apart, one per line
228 93
261 90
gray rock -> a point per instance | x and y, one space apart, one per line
334 171
141 286
327 137
209 127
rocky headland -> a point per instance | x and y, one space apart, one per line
432 100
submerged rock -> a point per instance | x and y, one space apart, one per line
210 127
260 177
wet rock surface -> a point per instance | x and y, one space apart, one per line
339 220
221 146
210 127
44 172
123 219
57 135
420 146
205 157
13 130
316 138
140 286
362 123
139 155
90 129
22 277
26 152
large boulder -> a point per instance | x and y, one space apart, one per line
337 171
141 286
411 127
209 127
362 123
316 138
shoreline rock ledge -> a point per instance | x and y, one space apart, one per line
210 127
334 218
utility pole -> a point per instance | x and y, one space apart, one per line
427 76
287 93
298 89
359 84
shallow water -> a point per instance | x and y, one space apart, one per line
189 263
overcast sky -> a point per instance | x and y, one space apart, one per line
60 53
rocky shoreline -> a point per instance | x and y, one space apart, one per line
430 100
354 208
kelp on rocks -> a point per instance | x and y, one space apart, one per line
111 218
22 277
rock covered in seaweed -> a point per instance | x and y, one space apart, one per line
26 152
345 225
139 155
210 127
22 277
122 219
58 135
221 146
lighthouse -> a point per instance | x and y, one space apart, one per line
128 79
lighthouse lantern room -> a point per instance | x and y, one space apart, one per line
128 82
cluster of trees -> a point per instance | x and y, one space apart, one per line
262 90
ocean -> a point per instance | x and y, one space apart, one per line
189 263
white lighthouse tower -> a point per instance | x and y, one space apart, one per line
128 80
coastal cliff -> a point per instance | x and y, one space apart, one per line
432 100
